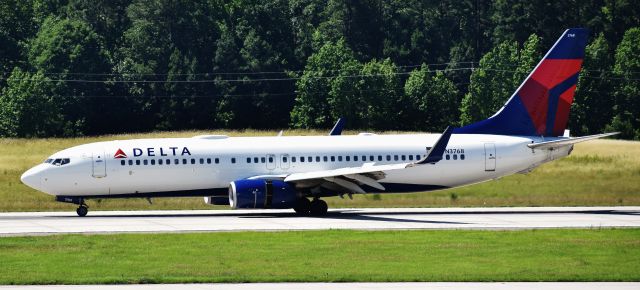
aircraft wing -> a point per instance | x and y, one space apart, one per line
350 178
550 145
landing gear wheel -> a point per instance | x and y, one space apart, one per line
82 210
318 207
303 206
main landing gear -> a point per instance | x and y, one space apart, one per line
317 207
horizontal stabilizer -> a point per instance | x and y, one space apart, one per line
568 141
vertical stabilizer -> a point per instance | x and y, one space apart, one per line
540 106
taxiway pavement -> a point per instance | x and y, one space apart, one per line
104 222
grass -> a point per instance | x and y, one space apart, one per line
601 172
324 256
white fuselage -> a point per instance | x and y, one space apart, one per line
207 162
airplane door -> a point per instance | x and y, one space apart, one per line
284 161
489 157
271 161
99 165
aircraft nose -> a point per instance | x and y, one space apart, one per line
32 177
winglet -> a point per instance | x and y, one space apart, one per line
337 128
436 152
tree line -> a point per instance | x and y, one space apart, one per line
87 67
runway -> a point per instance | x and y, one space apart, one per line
177 221
345 286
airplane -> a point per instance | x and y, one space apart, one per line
296 172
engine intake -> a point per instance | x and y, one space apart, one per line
257 193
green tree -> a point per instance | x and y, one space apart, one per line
29 107
500 72
592 106
626 68
432 99
311 108
491 83
15 27
380 90
70 49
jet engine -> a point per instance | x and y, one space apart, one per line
257 193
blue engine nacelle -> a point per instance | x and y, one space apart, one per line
257 193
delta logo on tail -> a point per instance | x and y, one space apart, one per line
540 106
119 154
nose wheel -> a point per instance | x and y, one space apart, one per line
82 210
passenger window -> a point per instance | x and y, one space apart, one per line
255 159
233 160
340 158
371 158
270 159
317 158
217 160
388 157
293 159
208 160
263 159
130 162
138 162
364 158
310 159
177 161
455 156
201 161
184 161
395 157
355 158
193 161
168 162
447 157
153 162
417 157
301 158
284 159
159 161
122 162
404 157
411 157
325 158
347 158
248 159
333 159
461 156
145 162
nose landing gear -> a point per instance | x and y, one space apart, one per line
82 210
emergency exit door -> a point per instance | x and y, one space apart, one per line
489 157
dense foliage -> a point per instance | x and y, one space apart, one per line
86 67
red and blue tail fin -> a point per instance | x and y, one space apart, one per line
540 106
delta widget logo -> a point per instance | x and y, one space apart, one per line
119 154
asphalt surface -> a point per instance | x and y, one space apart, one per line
345 286
105 222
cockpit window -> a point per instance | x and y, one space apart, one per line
59 161
48 160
